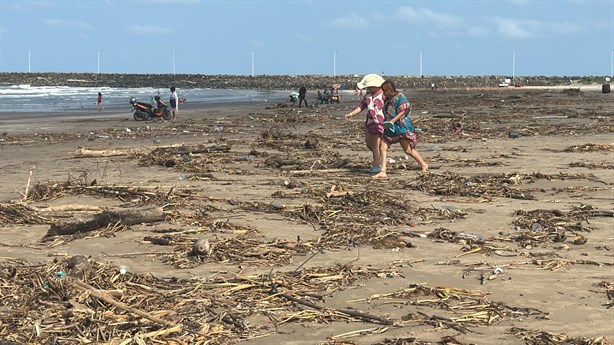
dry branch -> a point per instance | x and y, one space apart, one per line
86 223
357 314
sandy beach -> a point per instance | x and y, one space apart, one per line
508 239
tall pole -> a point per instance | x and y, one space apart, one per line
173 62
29 55
513 64
335 64
421 63
99 62
253 52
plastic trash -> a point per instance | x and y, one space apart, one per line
123 269
497 270
471 236
277 204
513 135
413 221
449 208
183 176
536 227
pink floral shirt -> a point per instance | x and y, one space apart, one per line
374 103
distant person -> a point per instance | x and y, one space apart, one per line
374 103
398 127
174 102
99 102
293 97
302 96
154 104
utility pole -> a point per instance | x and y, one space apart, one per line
421 63
99 62
253 52
173 62
29 55
335 64
513 64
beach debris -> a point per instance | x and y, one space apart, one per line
83 152
278 205
85 223
579 240
544 337
609 292
345 211
202 247
78 266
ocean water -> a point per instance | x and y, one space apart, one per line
26 98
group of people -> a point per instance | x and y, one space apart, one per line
387 122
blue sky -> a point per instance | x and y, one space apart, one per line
453 37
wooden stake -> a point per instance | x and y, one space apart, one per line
25 196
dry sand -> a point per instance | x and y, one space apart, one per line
549 286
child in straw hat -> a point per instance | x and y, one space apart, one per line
374 103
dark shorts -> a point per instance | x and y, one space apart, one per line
173 103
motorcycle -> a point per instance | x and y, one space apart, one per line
144 111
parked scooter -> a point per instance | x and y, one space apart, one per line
144 111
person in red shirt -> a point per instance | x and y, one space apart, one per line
99 102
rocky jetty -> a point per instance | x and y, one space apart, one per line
266 82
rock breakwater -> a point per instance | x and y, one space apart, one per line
264 82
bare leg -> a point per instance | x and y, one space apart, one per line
383 149
373 143
415 154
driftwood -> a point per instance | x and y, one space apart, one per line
90 222
83 152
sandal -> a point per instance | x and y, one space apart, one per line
374 170
388 125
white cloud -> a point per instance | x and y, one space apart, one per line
478 31
517 29
149 30
351 22
525 29
71 24
426 16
